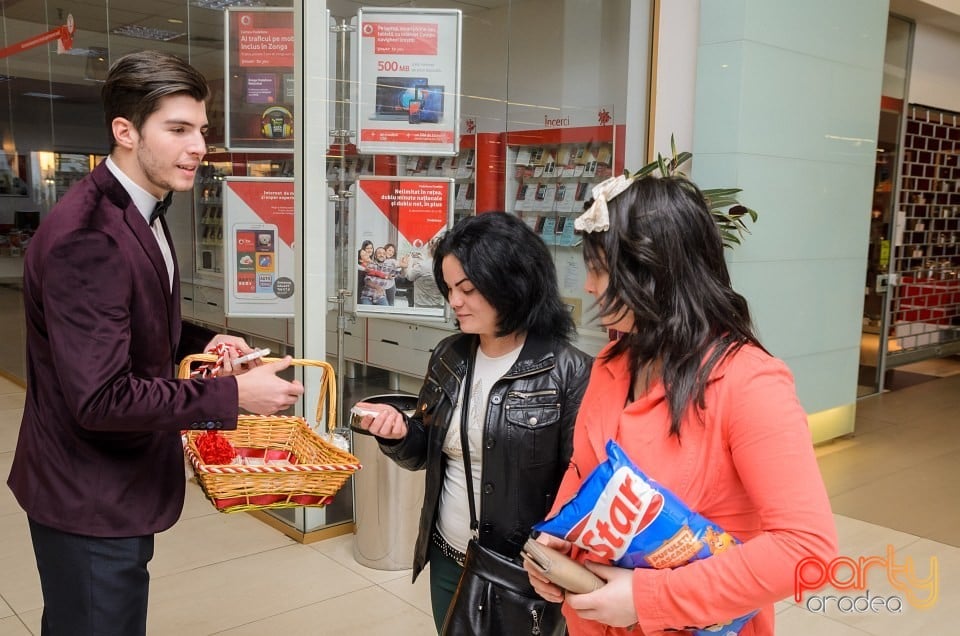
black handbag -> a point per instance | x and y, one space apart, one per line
494 596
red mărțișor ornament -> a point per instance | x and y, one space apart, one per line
214 448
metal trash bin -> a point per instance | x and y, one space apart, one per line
386 499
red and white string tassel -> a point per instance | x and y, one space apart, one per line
212 369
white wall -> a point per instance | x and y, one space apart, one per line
936 62
787 105
544 54
676 74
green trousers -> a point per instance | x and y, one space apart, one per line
444 576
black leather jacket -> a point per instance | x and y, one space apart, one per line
527 437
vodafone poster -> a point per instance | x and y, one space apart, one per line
409 81
258 218
259 67
397 221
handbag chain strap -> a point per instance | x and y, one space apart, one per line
466 388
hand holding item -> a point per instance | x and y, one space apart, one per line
621 515
242 363
263 393
381 420
234 343
546 588
612 604
230 350
557 568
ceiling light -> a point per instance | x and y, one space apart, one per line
147 33
223 4
43 95
98 52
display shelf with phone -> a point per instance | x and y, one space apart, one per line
549 178
549 175
208 203
208 192
348 166
476 170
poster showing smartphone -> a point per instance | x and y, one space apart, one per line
258 253
256 261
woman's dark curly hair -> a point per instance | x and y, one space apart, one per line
512 269
664 257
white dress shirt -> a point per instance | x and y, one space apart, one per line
145 203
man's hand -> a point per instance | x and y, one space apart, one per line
237 344
263 393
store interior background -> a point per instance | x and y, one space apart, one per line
50 103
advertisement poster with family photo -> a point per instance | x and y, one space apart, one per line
409 81
398 221
258 219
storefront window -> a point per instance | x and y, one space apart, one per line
541 112
542 118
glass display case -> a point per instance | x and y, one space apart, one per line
208 194
550 174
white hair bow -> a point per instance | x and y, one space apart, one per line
597 217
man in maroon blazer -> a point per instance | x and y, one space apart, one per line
99 466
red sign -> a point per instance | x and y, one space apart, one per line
264 39
408 136
63 35
272 202
402 38
419 208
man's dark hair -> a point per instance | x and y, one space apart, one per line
512 269
138 81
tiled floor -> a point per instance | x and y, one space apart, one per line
893 484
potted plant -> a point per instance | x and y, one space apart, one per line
727 211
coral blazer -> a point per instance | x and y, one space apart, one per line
748 466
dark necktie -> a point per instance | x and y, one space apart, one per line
161 208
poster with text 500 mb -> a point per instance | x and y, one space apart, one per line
409 81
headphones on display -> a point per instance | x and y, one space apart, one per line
276 122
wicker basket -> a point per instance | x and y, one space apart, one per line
316 470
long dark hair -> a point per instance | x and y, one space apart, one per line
664 257
138 81
512 269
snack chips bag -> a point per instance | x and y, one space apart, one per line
622 515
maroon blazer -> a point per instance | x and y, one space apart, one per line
99 452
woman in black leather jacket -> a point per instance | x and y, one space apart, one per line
527 382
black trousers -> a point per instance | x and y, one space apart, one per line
92 586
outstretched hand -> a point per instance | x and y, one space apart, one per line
388 422
263 393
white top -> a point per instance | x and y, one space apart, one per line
453 519
145 203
